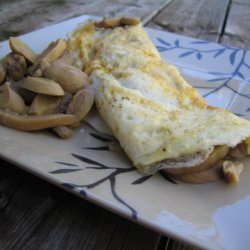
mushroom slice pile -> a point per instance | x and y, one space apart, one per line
43 90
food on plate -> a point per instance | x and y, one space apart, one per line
69 77
20 48
213 173
43 91
44 104
30 123
63 131
42 86
112 22
10 99
232 171
15 66
81 103
161 122
49 55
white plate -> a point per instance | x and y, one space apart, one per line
213 215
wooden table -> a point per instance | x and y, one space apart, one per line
36 215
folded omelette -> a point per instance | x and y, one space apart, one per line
160 121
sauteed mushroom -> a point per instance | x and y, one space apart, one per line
63 132
64 102
50 54
47 99
15 66
69 77
68 57
111 22
232 171
42 86
127 20
82 103
239 151
27 95
30 123
212 174
10 99
43 104
218 153
19 47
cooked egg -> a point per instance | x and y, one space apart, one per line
153 112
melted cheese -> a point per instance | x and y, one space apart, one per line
153 112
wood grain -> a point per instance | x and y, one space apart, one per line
37 215
19 17
237 26
196 18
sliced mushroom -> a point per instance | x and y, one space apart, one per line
127 20
68 57
232 171
15 66
54 50
28 96
111 22
43 104
10 99
41 66
217 154
81 103
239 151
42 86
19 47
69 77
50 54
30 123
212 174
63 132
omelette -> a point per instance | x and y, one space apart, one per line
160 121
